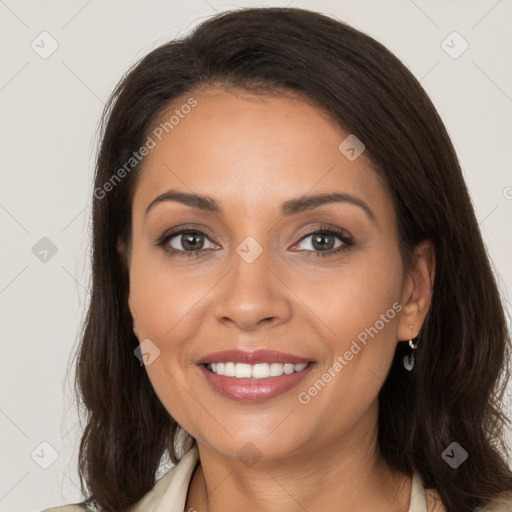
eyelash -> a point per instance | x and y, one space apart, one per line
341 235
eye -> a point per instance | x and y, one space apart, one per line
323 242
189 242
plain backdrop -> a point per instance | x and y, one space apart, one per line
50 106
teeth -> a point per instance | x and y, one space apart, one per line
242 371
255 371
229 369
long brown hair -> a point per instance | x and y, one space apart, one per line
454 392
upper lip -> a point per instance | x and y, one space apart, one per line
252 357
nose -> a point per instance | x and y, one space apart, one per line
253 294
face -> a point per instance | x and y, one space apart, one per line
318 282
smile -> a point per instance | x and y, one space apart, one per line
255 381
254 371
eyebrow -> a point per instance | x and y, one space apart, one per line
291 207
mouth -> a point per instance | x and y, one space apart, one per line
253 376
254 371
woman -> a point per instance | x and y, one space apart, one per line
274 379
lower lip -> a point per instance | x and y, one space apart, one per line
254 390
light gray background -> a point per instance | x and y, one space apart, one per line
49 114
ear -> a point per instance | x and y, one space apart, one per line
123 254
417 291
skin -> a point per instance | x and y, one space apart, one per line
251 154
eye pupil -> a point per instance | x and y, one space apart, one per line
190 245
323 245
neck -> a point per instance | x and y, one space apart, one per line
345 474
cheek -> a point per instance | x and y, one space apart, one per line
164 313
359 310
162 299
352 298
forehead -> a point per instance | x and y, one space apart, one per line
252 152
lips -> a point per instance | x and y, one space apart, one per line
258 388
253 357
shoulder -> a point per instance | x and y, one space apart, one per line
434 503
171 488
170 492
502 503
67 508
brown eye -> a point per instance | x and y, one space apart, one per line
190 241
